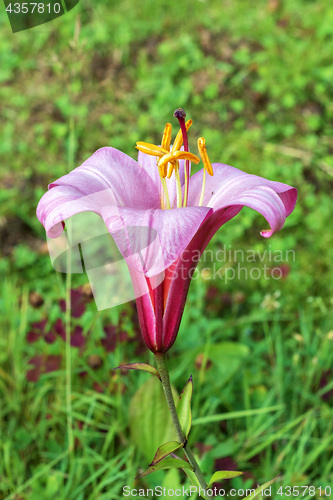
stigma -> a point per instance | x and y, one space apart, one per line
167 160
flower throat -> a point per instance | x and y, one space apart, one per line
168 160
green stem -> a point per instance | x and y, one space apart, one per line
164 374
68 353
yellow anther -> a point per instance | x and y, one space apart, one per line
204 155
166 139
163 170
177 155
173 165
151 149
185 155
165 159
179 137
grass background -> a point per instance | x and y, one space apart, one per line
256 80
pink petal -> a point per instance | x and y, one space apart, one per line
231 187
108 177
151 240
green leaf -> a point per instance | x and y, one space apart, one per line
140 366
184 407
259 490
167 463
224 474
150 419
236 414
194 480
164 450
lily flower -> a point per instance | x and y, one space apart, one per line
182 213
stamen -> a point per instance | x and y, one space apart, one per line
173 165
168 161
204 155
177 155
207 165
158 151
165 189
166 139
162 170
151 149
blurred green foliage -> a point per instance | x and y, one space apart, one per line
256 80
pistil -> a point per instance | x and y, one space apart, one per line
180 115
176 146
